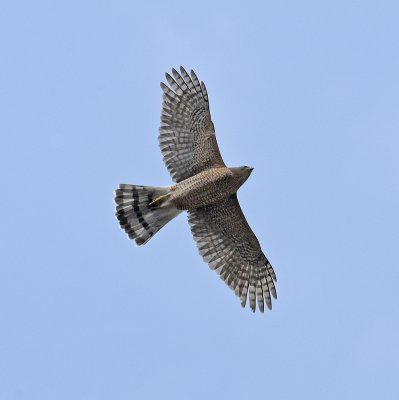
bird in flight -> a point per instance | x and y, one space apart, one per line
205 188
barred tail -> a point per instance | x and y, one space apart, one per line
142 211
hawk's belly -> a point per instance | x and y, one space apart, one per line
208 187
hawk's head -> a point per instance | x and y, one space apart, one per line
242 173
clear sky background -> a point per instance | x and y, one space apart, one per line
307 92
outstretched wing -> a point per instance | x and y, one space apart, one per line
187 135
228 245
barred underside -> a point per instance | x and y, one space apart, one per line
223 236
137 217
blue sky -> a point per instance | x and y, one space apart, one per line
307 93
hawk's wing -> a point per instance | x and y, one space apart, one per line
187 135
228 245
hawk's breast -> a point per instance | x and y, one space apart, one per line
207 187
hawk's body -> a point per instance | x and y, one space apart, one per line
204 187
207 187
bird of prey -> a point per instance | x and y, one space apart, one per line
205 188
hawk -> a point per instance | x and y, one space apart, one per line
205 188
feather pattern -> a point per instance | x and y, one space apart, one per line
187 135
136 214
227 243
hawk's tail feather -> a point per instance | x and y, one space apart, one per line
142 210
